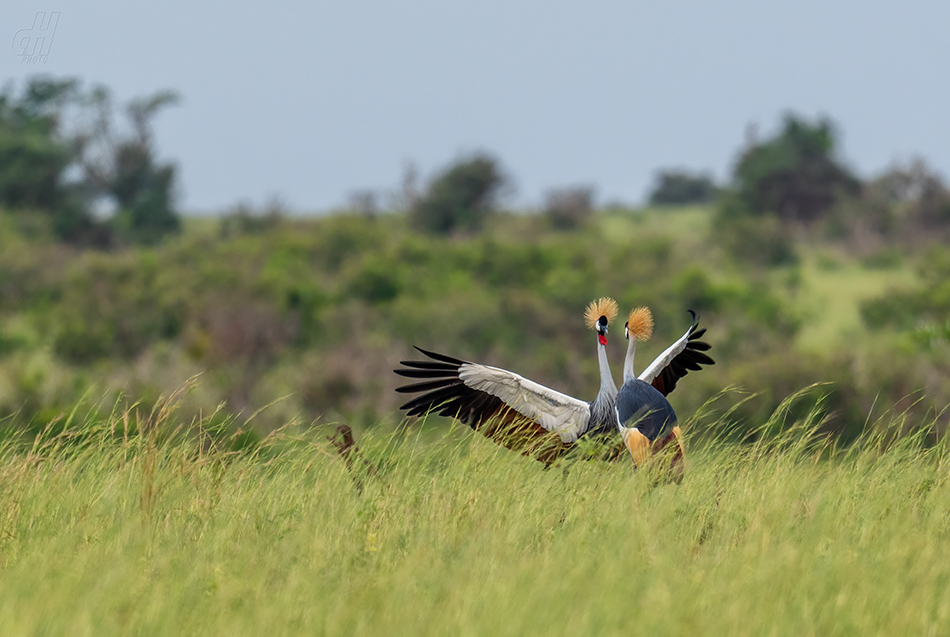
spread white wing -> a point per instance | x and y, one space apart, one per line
496 402
558 413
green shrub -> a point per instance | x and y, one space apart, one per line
569 208
677 188
461 197
925 303
116 309
794 174
761 240
377 281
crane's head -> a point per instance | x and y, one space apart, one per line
639 324
598 314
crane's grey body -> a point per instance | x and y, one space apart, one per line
640 405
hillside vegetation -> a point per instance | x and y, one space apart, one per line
317 312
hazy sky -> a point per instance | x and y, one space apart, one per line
311 101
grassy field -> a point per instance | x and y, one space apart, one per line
107 534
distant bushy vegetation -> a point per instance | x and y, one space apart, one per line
320 310
793 187
316 312
569 208
924 308
795 174
462 197
680 188
63 153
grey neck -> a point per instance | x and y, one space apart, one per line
603 414
628 373
608 387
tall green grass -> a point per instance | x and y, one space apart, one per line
166 532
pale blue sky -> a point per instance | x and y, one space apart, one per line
311 101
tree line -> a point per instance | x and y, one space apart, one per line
69 161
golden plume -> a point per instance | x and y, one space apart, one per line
640 324
604 306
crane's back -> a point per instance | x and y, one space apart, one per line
640 405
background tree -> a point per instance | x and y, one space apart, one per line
62 152
35 158
919 194
569 208
677 187
122 166
796 174
793 177
32 159
461 197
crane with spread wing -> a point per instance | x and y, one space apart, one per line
645 418
513 411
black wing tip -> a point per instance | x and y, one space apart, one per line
690 359
439 364
704 359
442 358
426 352
696 318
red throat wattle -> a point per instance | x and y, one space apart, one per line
603 339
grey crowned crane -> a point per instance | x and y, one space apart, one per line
645 417
510 409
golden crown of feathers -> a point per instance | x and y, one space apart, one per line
640 324
604 306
